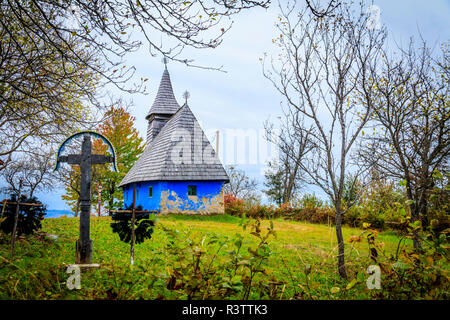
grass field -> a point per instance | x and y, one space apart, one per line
301 263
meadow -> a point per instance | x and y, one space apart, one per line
200 257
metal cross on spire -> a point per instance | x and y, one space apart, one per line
186 96
164 60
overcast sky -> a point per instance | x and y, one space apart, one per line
242 98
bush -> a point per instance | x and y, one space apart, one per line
143 225
312 211
412 274
29 217
314 215
198 270
262 212
381 205
233 205
439 203
310 201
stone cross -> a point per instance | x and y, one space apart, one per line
85 160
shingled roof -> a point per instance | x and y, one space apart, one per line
165 102
176 154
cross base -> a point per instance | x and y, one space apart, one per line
83 253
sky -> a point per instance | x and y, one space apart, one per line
238 101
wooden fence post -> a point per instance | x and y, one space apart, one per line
16 217
132 224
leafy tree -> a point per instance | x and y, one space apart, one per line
352 190
72 180
310 201
119 129
40 93
274 184
411 124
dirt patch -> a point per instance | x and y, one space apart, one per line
286 226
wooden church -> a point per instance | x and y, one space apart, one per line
179 171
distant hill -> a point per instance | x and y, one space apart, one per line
58 213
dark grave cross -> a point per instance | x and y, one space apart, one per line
85 160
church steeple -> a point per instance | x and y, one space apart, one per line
165 102
164 106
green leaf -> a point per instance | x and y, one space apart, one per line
307 269
351 284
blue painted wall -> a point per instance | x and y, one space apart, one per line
205 189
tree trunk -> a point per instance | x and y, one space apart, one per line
340 240
414 217
16 217
414 207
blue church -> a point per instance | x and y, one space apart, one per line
179 171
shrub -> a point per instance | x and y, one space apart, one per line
439 203
381 205
310 201
412 274
314 215
260 211
233 205
29 217
143 225
197 270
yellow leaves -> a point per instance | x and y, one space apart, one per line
335 290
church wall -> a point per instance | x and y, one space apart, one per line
142 195
172 197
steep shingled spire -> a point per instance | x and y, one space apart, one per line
165 102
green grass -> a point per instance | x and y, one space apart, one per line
39 268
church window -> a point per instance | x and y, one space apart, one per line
192 190
150 191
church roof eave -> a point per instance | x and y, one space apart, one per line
155 163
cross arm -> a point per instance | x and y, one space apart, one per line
95 159
99 159
71 159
